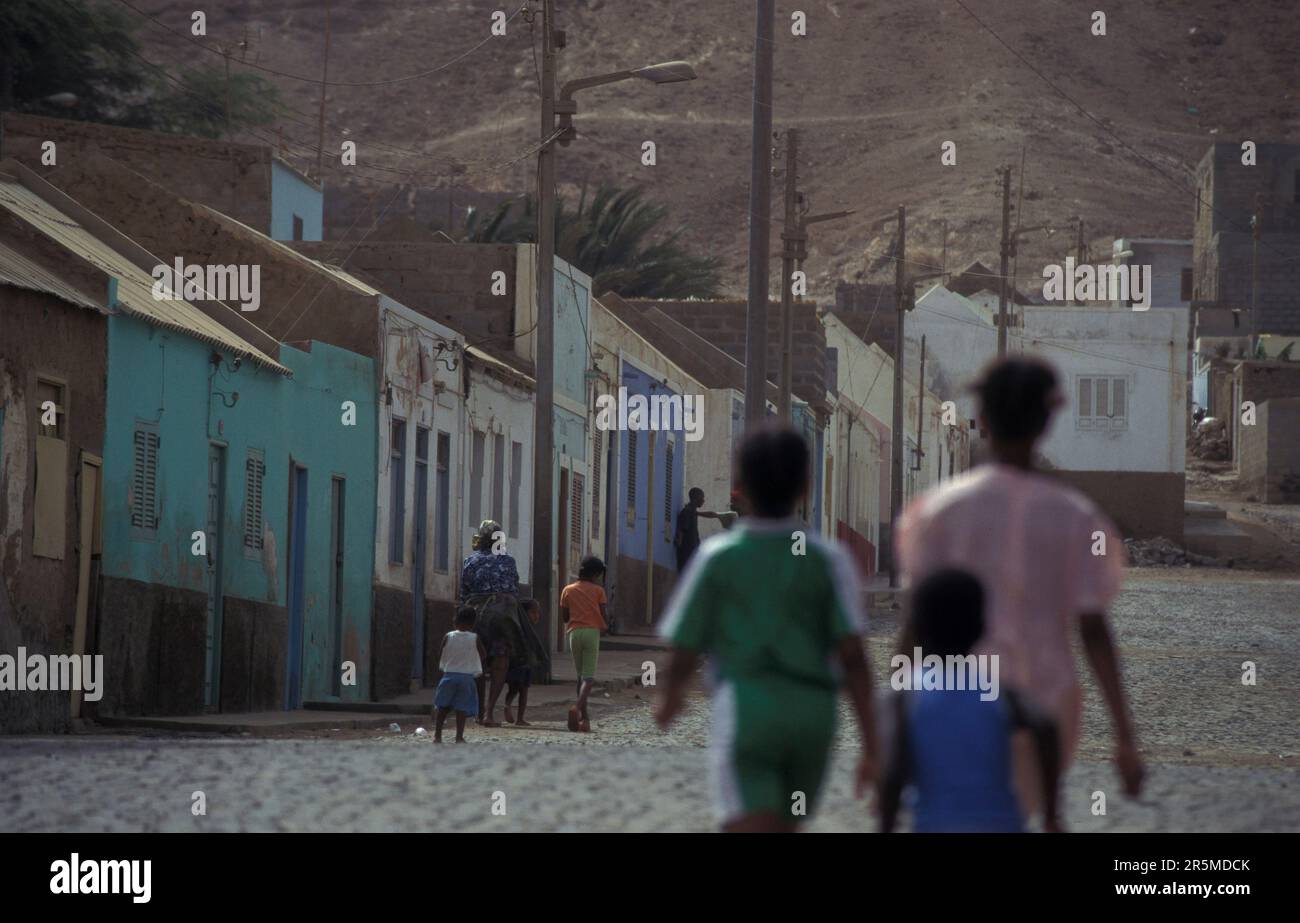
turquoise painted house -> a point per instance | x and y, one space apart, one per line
274 468
236 492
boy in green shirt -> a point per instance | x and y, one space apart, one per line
776 611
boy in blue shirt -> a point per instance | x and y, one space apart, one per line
952 746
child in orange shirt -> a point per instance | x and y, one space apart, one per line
582 608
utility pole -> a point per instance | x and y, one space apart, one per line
544 352
900 346
1079 255
791 235
920 409
760 200
324 80
1256 220
1005 251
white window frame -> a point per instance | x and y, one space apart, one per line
1102 422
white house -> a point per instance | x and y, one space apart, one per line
1120 436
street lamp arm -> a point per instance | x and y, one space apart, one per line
582 83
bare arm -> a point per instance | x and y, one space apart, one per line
441 645
898 769
857 681
681 667
1047 740
1099 648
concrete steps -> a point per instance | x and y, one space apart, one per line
1215 536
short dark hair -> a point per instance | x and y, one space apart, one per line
772 466
948 613
466 615
695 492
1017 395
590 567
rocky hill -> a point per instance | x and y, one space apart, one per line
874 87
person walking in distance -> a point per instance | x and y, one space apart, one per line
687 537
1049 561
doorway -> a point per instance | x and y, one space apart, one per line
337 497
419 539
297 558
88 496
212 535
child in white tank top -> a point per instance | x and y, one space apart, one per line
460 657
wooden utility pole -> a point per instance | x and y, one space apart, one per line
900 346
324 80
1256 220
544 353
1080 257
920 409
1005 251
791 235
760 202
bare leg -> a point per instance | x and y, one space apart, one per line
439 718
460 726
584 693
512 690
523 706
499 667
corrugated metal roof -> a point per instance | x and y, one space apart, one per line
134 285
16 269
489 360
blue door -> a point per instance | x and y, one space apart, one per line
297 557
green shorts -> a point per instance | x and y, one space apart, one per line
771 745
585 645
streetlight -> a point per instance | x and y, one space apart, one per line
544 353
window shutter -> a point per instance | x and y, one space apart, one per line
1118 402
254 476
575 519
144 481
1085 402
668 491
631 477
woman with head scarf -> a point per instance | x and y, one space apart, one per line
489 583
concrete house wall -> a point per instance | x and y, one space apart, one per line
422 389
246 181
295 196
154 609
1132 469
500 402
45 337
1223 246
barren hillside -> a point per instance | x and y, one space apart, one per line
875 87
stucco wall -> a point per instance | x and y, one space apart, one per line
168 379
43 336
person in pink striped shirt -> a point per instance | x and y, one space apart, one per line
1049 561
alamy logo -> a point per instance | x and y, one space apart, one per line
52 673
103 876
1085 282
955 671
193 282
668 412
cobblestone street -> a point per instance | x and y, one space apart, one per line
1222 756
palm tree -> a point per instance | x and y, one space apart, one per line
612 238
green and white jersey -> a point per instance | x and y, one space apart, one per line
761 611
